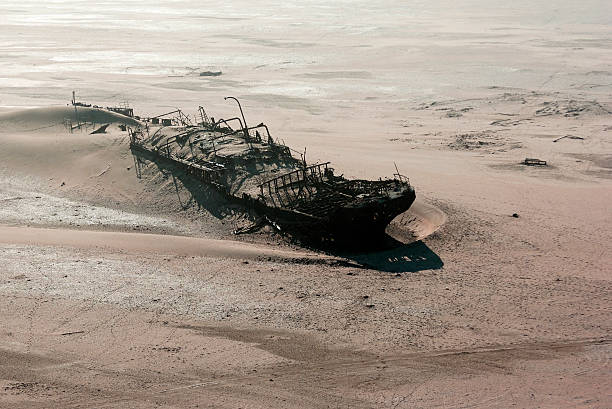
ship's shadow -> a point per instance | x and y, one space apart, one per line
190 192
396 257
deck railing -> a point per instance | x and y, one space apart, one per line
286 189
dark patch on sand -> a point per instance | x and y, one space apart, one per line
286 344
571 108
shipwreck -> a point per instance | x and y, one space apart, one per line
251 167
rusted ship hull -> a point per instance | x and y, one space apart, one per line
369 221
260 173
363 224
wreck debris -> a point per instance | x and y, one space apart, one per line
123 110
534 162
179 119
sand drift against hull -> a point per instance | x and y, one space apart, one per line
250 167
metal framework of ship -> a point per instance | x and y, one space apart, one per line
249 166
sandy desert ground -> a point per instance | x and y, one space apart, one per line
122 285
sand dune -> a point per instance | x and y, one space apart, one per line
63 177
48 118
421 220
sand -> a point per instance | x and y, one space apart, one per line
122 285
138 243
